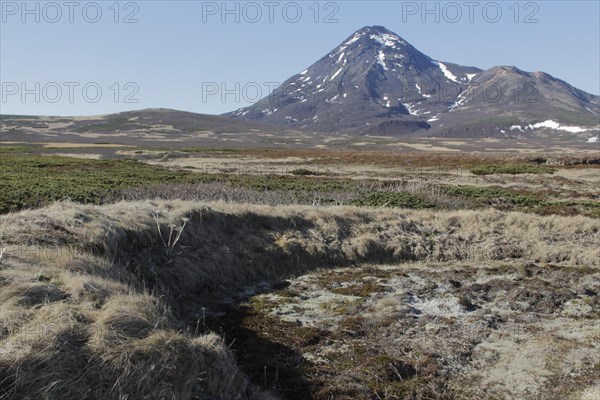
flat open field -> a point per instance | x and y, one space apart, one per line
544 183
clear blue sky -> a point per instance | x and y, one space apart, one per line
177 50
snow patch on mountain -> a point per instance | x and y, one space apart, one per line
421 92
549 124
556 126
460 100
592 111
336 74
355 38
333 99
240 112
411 109
385 39
446 71
381 60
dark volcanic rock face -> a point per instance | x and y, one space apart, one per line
373 77
377 83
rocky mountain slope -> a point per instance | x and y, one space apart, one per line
377 83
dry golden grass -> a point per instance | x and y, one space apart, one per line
69 145
74 325
95 304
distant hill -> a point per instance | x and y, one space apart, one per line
147 127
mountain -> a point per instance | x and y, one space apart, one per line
375 82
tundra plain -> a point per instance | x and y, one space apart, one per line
131 271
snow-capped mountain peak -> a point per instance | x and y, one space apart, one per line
374 81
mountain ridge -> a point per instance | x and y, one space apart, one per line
375 82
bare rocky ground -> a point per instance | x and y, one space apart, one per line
423 331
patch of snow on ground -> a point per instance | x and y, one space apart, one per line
593 139
304 72
420 92
445 71
386 39
470 76
336 74
381 60
556 126
550 125
459 101
354 39
340 57
411 109
546 124
435 118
